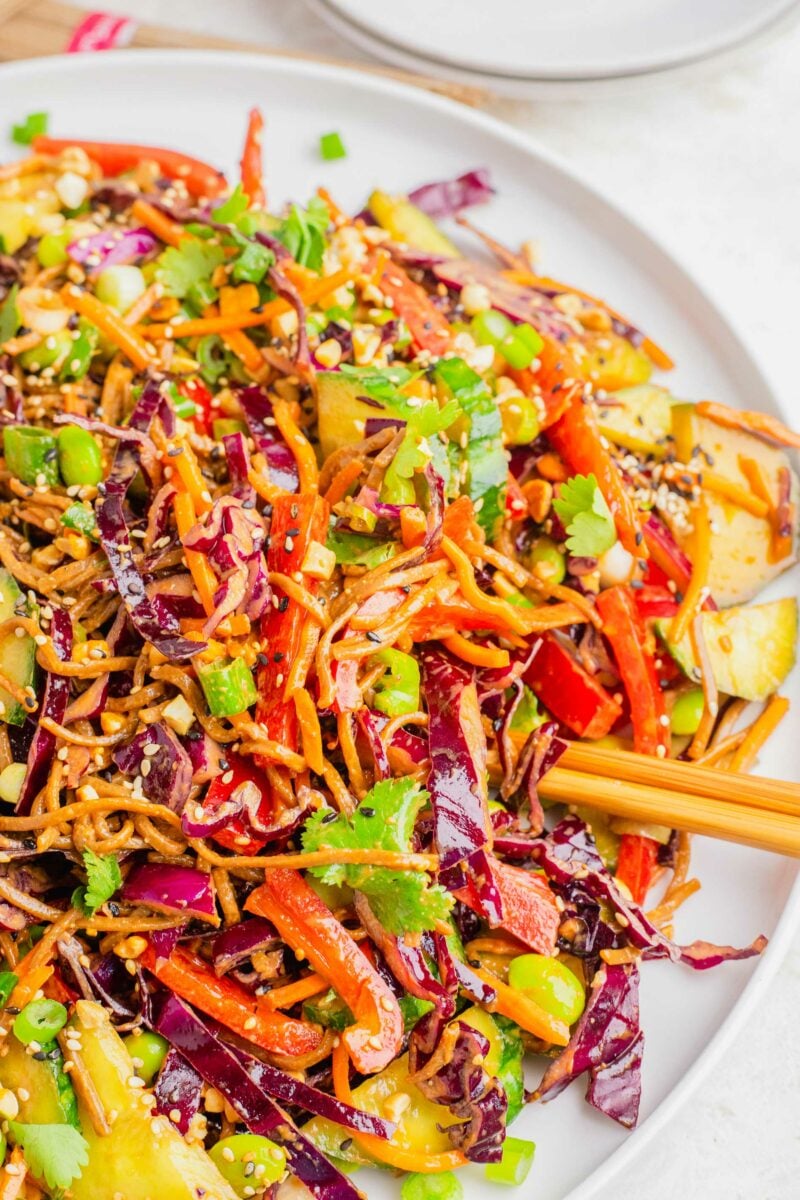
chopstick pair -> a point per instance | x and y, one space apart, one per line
763 813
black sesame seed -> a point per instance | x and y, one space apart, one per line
366 812
329 816
372 636
283 604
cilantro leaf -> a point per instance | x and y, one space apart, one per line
103 878
586 517
303 232
182 267
403 901
55 1153
527 715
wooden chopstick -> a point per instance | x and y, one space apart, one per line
730 786
764 813
763 828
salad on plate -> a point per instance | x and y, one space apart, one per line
323 539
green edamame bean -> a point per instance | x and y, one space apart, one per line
148 1051
79 457
248 1161
546 556
519 417
551 984
687 712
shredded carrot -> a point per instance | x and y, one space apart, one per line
759 731
246 350
188 468
149 298
201 326
18 345
343 481
110 323
322 286
701 562
736 494
526 1012
294 993
478 655
13 1183
299 445
166 230
759 424
653 351
413 526
780 543
297 592
511 616
204 579
708 720
301 663
392 1155
310 732
266 490
338 215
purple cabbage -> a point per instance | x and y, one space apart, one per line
54 706
160 629
170 888
220 1067
283 287
407 963
520 304
257 408
445 1061
178 1090
167 778
375 425
111 247
238 459
371 724
236 945
446 197
568 856
608 1043
232 538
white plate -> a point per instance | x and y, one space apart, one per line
568 40
396 138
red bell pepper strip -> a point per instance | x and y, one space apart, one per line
577 439
637 864
235 835
307 925
624 629
297 520
569 692
191 978
114 158
196 391
441 620
557 379
654 601
427 324
529 907
251 166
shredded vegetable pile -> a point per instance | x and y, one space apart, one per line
322 536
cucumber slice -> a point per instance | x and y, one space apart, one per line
17 655
640 419
409 224
751 649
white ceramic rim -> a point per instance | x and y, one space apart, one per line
789 920
514 82
546 87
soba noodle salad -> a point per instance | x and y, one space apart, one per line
330 549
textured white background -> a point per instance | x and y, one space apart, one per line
710 161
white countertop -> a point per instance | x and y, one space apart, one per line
710 160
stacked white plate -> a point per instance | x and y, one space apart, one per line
527 48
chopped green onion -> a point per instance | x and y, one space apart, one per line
331 147
210 354
52 351
34 124
490 327
546 560
9 316
231 209
76 364
31 454
182 406
80 458
517 1160
8 981
228 686
519 417
81 518
52 248
40 1021
397 690
245 1158
432 1187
